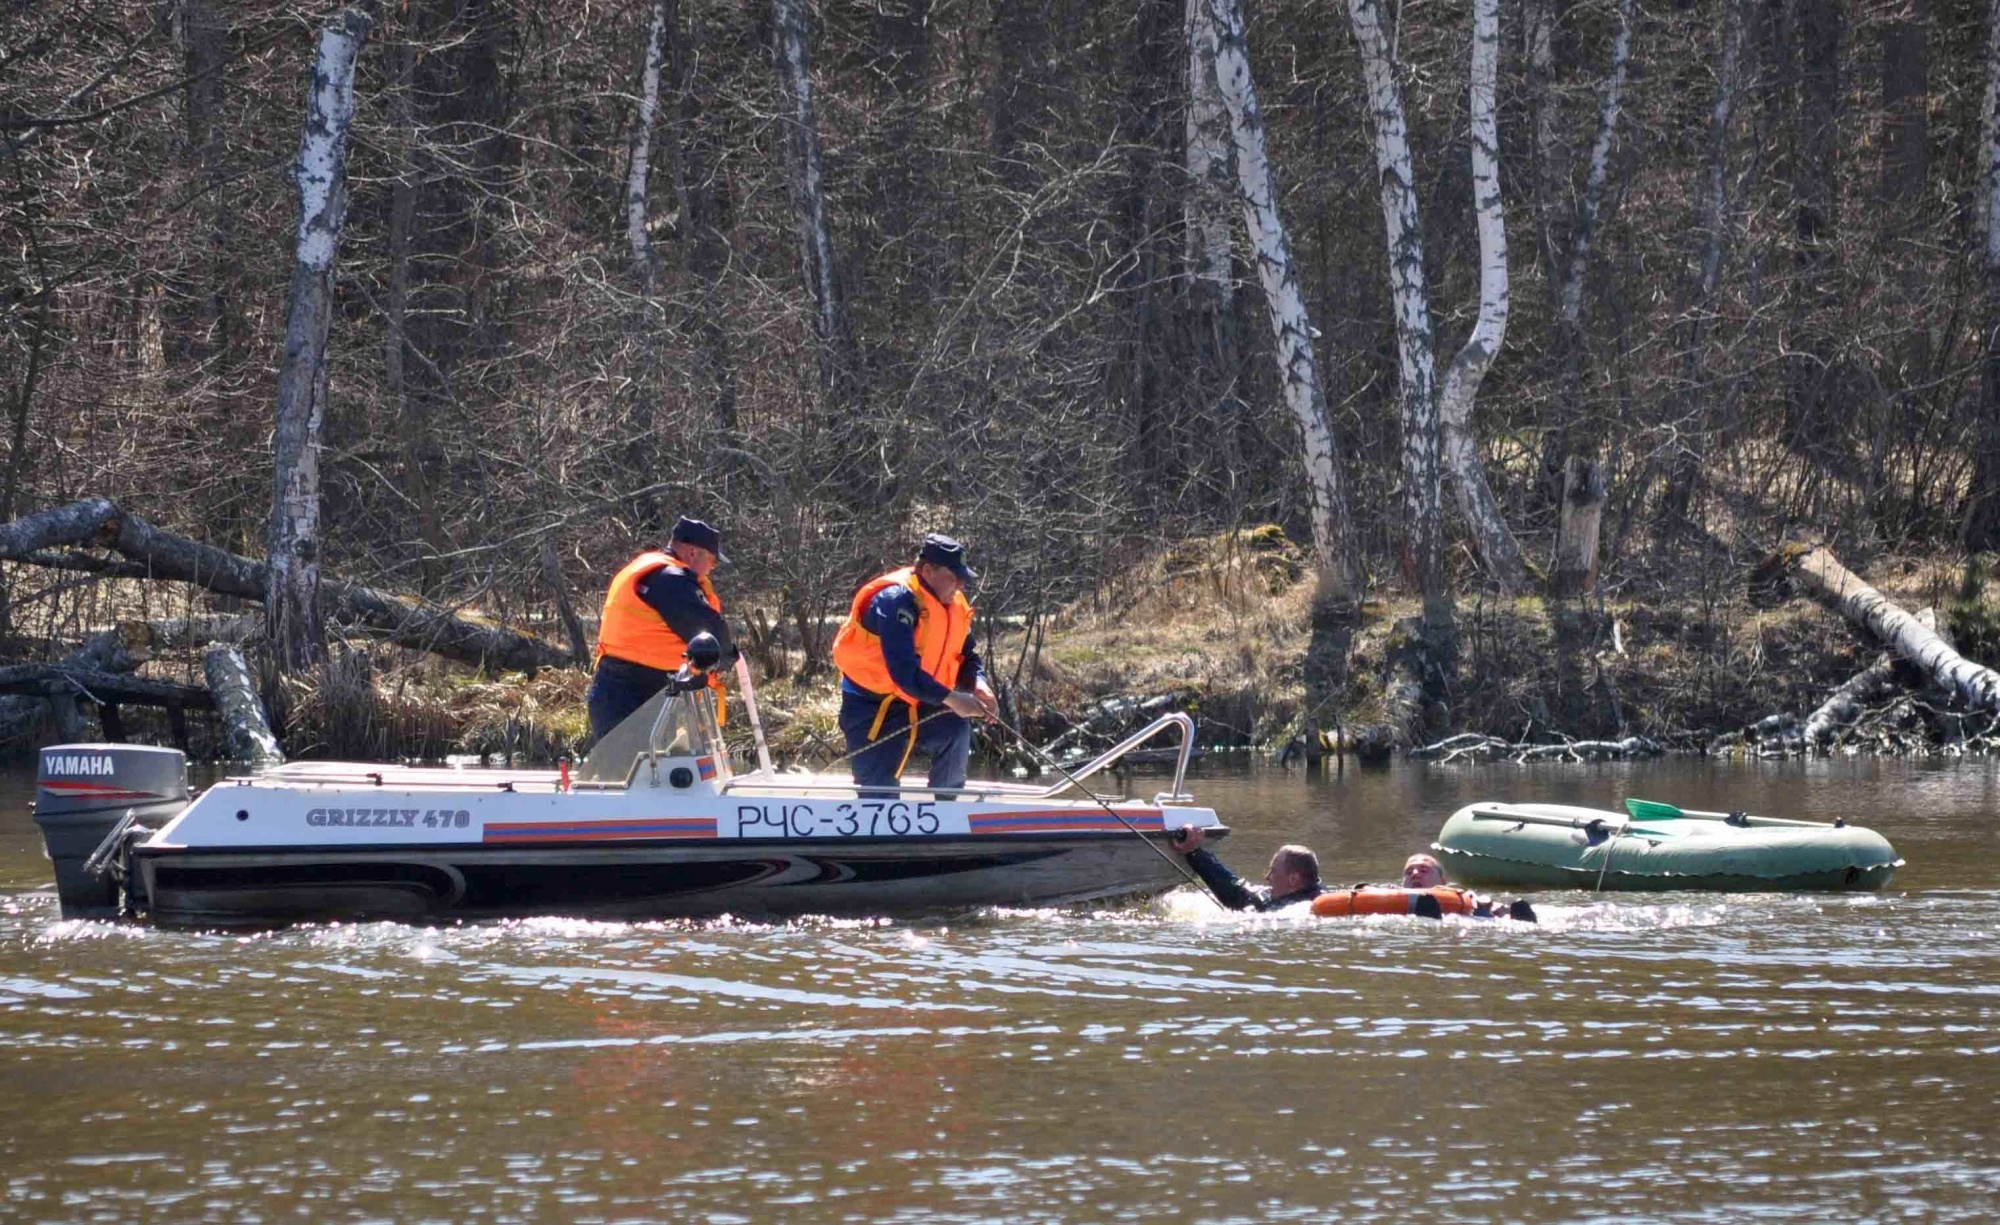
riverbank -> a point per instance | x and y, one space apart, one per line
1221 627
1713 665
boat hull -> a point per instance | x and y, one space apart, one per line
644 880
1480 847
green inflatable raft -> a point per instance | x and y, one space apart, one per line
1653 846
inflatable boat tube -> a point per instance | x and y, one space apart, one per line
1657 846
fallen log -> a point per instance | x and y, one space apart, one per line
1844 707
246 734
21 712
1820 573
189 633
403 620
1593 750
1465 744
103 688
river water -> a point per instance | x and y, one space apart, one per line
1668 1057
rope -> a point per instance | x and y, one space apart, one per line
850 756
1177 865
1606 867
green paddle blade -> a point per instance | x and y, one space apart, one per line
1652 810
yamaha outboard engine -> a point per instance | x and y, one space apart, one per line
82 792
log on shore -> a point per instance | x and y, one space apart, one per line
1846 704
246 733
103 688
1483 747
404 620
189 633
1593 750
21 712
1820 574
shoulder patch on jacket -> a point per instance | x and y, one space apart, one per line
908 616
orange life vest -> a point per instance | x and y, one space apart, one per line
1390 899
632 630
940 637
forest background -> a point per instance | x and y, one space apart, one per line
834 275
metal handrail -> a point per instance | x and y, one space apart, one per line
1178 719
1017 791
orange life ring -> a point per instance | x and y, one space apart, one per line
1390 899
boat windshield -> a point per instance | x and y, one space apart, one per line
669 725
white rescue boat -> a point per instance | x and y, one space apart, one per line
658 823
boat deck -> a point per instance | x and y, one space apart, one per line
347 775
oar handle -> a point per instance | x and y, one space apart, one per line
1522 818
1702 814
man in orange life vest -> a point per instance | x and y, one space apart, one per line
655 605
909 678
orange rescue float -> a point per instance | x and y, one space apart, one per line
1391 899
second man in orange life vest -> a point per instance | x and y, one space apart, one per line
655 605
909 678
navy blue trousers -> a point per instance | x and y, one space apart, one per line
618 688
944 737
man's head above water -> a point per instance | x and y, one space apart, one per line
1293 868
1421 871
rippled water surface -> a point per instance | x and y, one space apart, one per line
1635 1057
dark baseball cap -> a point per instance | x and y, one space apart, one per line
699 534
944 551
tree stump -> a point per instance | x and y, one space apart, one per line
1583 502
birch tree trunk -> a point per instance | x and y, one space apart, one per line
1982 519
1338 558
1814 177
638 228
703 201
420 458
809 200
1906 108
1538 36
1211 178
1490 533
205 38
1577 438
246 733
1711 222
1850 701
1569 300
292 603
1415 347
1821 574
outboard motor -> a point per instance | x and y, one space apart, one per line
82 792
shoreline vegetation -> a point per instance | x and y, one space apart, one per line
1364 381
1730 663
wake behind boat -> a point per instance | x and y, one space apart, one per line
656 824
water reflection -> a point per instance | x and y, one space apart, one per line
1632 1057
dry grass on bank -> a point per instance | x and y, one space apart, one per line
1221 622
375 703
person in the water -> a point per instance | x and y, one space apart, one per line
1421 871
1292 879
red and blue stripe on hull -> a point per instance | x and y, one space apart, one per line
599 831
1064 821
